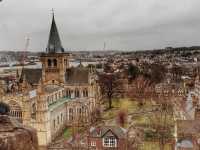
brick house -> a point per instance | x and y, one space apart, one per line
107 138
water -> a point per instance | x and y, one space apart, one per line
39 65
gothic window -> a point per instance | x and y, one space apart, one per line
80 112
54 123
55 63
49 62
85 93
61 117
56 96
70 114
77 94
58 121
33 108
83 110
68 93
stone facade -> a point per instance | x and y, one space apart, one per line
54 96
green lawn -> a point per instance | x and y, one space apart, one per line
145 120
119 104
141 120
154 146
130 106
67 133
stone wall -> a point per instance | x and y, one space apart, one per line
15 136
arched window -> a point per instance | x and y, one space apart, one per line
71 114
55 63
61 116
54 123
58 120
56 96
85 93
68 93
33 108
80 111
49 62
77 94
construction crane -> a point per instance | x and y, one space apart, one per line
24 55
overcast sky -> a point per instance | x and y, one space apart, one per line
86 24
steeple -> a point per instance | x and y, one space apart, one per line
54 43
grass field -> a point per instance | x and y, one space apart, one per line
67 133
143 120
154 146
119 104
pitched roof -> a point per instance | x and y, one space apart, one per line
32 76
54 43
107 131
78 75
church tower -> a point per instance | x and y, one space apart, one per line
54 60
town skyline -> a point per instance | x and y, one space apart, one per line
107 100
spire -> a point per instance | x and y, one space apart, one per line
54 43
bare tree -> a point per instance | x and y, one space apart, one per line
161 121
110 86
154 72
140 89
177 72
134 137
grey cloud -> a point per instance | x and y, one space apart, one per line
86 24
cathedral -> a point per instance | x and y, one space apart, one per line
55 96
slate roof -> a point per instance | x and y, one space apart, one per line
107 131
54 43
32 76
78 75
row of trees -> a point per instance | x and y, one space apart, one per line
142 83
